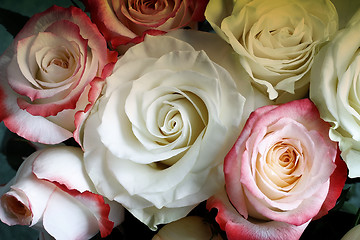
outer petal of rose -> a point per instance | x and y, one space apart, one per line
62 165
337 181
65 218
96 206
35 128
237 227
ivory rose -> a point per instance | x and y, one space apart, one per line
335 90
276 40
191 227
51 192
169 114
282 172
128 21
352 234
53 69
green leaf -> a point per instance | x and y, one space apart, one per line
12 21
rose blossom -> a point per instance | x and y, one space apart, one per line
169 114
124 22
52 70
335 90
282 172
276 40
51 192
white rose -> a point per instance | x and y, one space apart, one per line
156 140
335 90
50 192
276 40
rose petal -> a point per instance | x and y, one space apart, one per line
237 227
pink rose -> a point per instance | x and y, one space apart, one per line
124 22
50 192
54 69
282 172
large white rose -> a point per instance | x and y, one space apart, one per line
335 90
276 40
156 140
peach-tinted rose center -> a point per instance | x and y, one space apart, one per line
280 168
18 209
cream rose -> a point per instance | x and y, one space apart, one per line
276 40
52 71
335 90
50 192
282 172
156 139
191 227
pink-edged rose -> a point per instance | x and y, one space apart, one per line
51 192
282 172
54 68
128 21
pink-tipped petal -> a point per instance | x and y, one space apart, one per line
337 182
73 220
96 205
237 227
62 165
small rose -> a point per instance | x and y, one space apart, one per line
169 114
276 40
352 234
335 90
192 227
124 22
50 192
53 69
282 172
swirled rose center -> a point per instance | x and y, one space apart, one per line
280 169
181 117
149 7
55 65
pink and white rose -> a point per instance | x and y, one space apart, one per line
156 140
51 192
282 172
128 21
53 69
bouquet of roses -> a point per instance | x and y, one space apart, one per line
183 119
